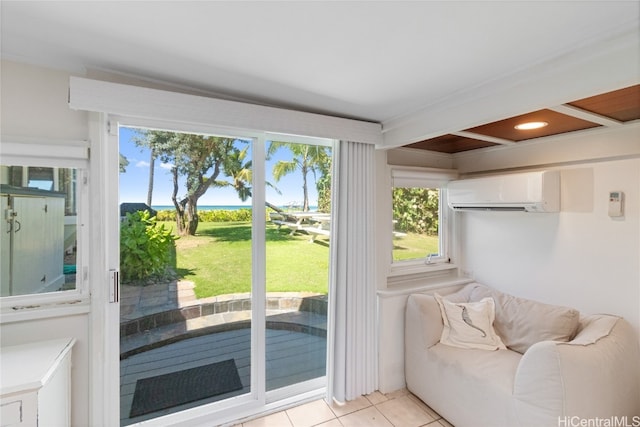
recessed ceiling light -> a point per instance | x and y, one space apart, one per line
531 125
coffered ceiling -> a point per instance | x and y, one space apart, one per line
611 109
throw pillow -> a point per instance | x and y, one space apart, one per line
469 325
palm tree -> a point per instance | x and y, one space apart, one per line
152 162
306 158
238 168
239 172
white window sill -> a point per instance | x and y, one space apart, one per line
41 310
420 268
425 285
418 277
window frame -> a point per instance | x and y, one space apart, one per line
419 177
63 155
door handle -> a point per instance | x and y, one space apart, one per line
114 285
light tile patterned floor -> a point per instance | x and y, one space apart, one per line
397 409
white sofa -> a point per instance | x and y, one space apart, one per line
567 369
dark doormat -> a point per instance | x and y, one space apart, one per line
169 390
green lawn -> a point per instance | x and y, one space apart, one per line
218 260
414 246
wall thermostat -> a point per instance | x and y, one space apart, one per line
616 204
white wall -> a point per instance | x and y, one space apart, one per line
34 105
579 257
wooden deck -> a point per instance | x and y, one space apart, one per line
291 357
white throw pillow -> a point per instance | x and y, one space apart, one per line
469 325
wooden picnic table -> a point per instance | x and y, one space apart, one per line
313 223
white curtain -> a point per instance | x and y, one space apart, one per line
352 334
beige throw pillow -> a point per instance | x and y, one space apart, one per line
469 325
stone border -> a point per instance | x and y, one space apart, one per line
313 304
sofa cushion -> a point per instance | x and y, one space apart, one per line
469 325
521 322
593 328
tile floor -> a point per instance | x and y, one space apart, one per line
397 409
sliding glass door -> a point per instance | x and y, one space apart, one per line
224 252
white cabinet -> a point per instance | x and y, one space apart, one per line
32 241
36 384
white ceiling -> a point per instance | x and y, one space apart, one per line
389 61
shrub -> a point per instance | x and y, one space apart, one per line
166 215
416 210
220 215
215 215
147 249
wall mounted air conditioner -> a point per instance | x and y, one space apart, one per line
527 192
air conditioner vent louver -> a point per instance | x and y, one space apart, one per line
524 192
493 208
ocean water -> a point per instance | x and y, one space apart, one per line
205 207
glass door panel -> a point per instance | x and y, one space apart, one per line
297 262
186 271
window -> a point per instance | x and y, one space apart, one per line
419 216
40 242
416 214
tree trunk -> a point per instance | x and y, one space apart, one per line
305 191
181 221
192 216
152 162
274 207
179 205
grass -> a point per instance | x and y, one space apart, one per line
218 260
414 246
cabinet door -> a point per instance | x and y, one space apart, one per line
29 274
19 410
33 247
52 248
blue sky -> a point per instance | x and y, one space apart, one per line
134 182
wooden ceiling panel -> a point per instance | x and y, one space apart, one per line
619 106
622 105
557 123
450 144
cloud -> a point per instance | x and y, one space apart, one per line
167 166
142 164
